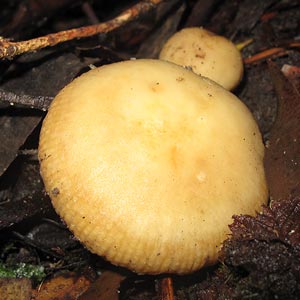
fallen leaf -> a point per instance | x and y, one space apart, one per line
15 289
278 222
282 158
151 47
249 14
106 287
64 287
263 253
26 197
16 125
51 235
46 77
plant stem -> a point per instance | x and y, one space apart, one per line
10 49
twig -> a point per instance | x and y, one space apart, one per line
32 243
165 288
271 53
88 10
10 49
264 55
38 102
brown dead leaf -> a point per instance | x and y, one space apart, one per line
64 287
15 128
105 287
46 77
15 289
152 45
249 13
282 160
26 197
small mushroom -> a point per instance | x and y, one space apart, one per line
207 54
146 162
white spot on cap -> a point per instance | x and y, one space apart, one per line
201 176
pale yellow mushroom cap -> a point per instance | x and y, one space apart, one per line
146 162
208 55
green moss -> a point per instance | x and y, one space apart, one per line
22 270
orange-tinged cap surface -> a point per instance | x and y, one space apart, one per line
146 162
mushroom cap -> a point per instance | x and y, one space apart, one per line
146 162
208 55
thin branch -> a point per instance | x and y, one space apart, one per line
165 288
38 102
90 13
271 53
10 49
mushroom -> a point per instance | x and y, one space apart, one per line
146 162
207 54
